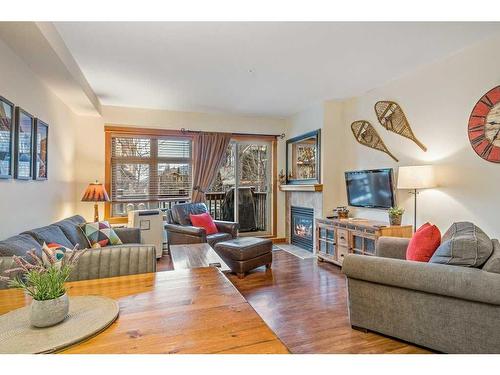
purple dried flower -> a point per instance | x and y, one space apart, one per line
20 262
13 270
35 257
74 256
50 256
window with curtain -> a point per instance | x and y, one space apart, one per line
149 172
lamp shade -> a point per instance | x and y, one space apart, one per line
416 177
95 192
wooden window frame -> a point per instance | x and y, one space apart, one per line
113 130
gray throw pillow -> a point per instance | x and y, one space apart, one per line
464 244
493 262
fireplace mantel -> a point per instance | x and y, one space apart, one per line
298 187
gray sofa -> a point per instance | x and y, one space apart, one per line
447 308
127 259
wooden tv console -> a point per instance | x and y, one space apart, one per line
335 238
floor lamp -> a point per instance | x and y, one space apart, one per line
415 178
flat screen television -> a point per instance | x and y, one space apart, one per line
370 188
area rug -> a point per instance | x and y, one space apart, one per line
294 250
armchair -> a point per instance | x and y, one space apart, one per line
180 231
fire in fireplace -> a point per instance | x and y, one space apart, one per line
302 227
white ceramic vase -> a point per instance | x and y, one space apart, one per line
50 312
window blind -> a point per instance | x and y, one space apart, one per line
149 169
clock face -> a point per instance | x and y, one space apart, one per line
484 126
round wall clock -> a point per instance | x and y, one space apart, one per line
484 126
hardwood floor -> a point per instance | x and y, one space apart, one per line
190 311
305 303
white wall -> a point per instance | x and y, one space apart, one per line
437 100
306 120
28 204
90 140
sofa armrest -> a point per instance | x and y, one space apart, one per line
181 234
392 247
227 227
6 263
465 283
186 229
113 261
129 235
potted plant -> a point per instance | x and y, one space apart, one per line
44 279
395 215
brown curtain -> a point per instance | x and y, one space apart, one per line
209 150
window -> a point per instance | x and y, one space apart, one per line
148 171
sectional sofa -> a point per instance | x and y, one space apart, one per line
130 258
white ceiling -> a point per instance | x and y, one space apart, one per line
254 68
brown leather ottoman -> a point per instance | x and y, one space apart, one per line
245 253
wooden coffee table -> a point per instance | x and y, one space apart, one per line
195 255
186 311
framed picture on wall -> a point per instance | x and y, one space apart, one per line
40 146
23 155
6 138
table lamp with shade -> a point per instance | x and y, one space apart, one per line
95 192
415 178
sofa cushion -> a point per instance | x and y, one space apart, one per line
493 262
72 231
180 212
204 221
424 243
128 235
464 244
48 234
19 245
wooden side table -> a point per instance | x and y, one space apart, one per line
195 256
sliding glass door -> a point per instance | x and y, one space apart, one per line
242 191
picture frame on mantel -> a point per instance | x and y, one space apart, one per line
303 159
7 131
23 155
40 150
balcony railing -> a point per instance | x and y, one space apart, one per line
122 207
215 202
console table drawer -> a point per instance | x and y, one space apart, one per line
342 253
342 237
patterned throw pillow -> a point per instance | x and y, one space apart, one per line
100 234
57 251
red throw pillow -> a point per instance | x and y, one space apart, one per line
54 245
424 243
204 221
